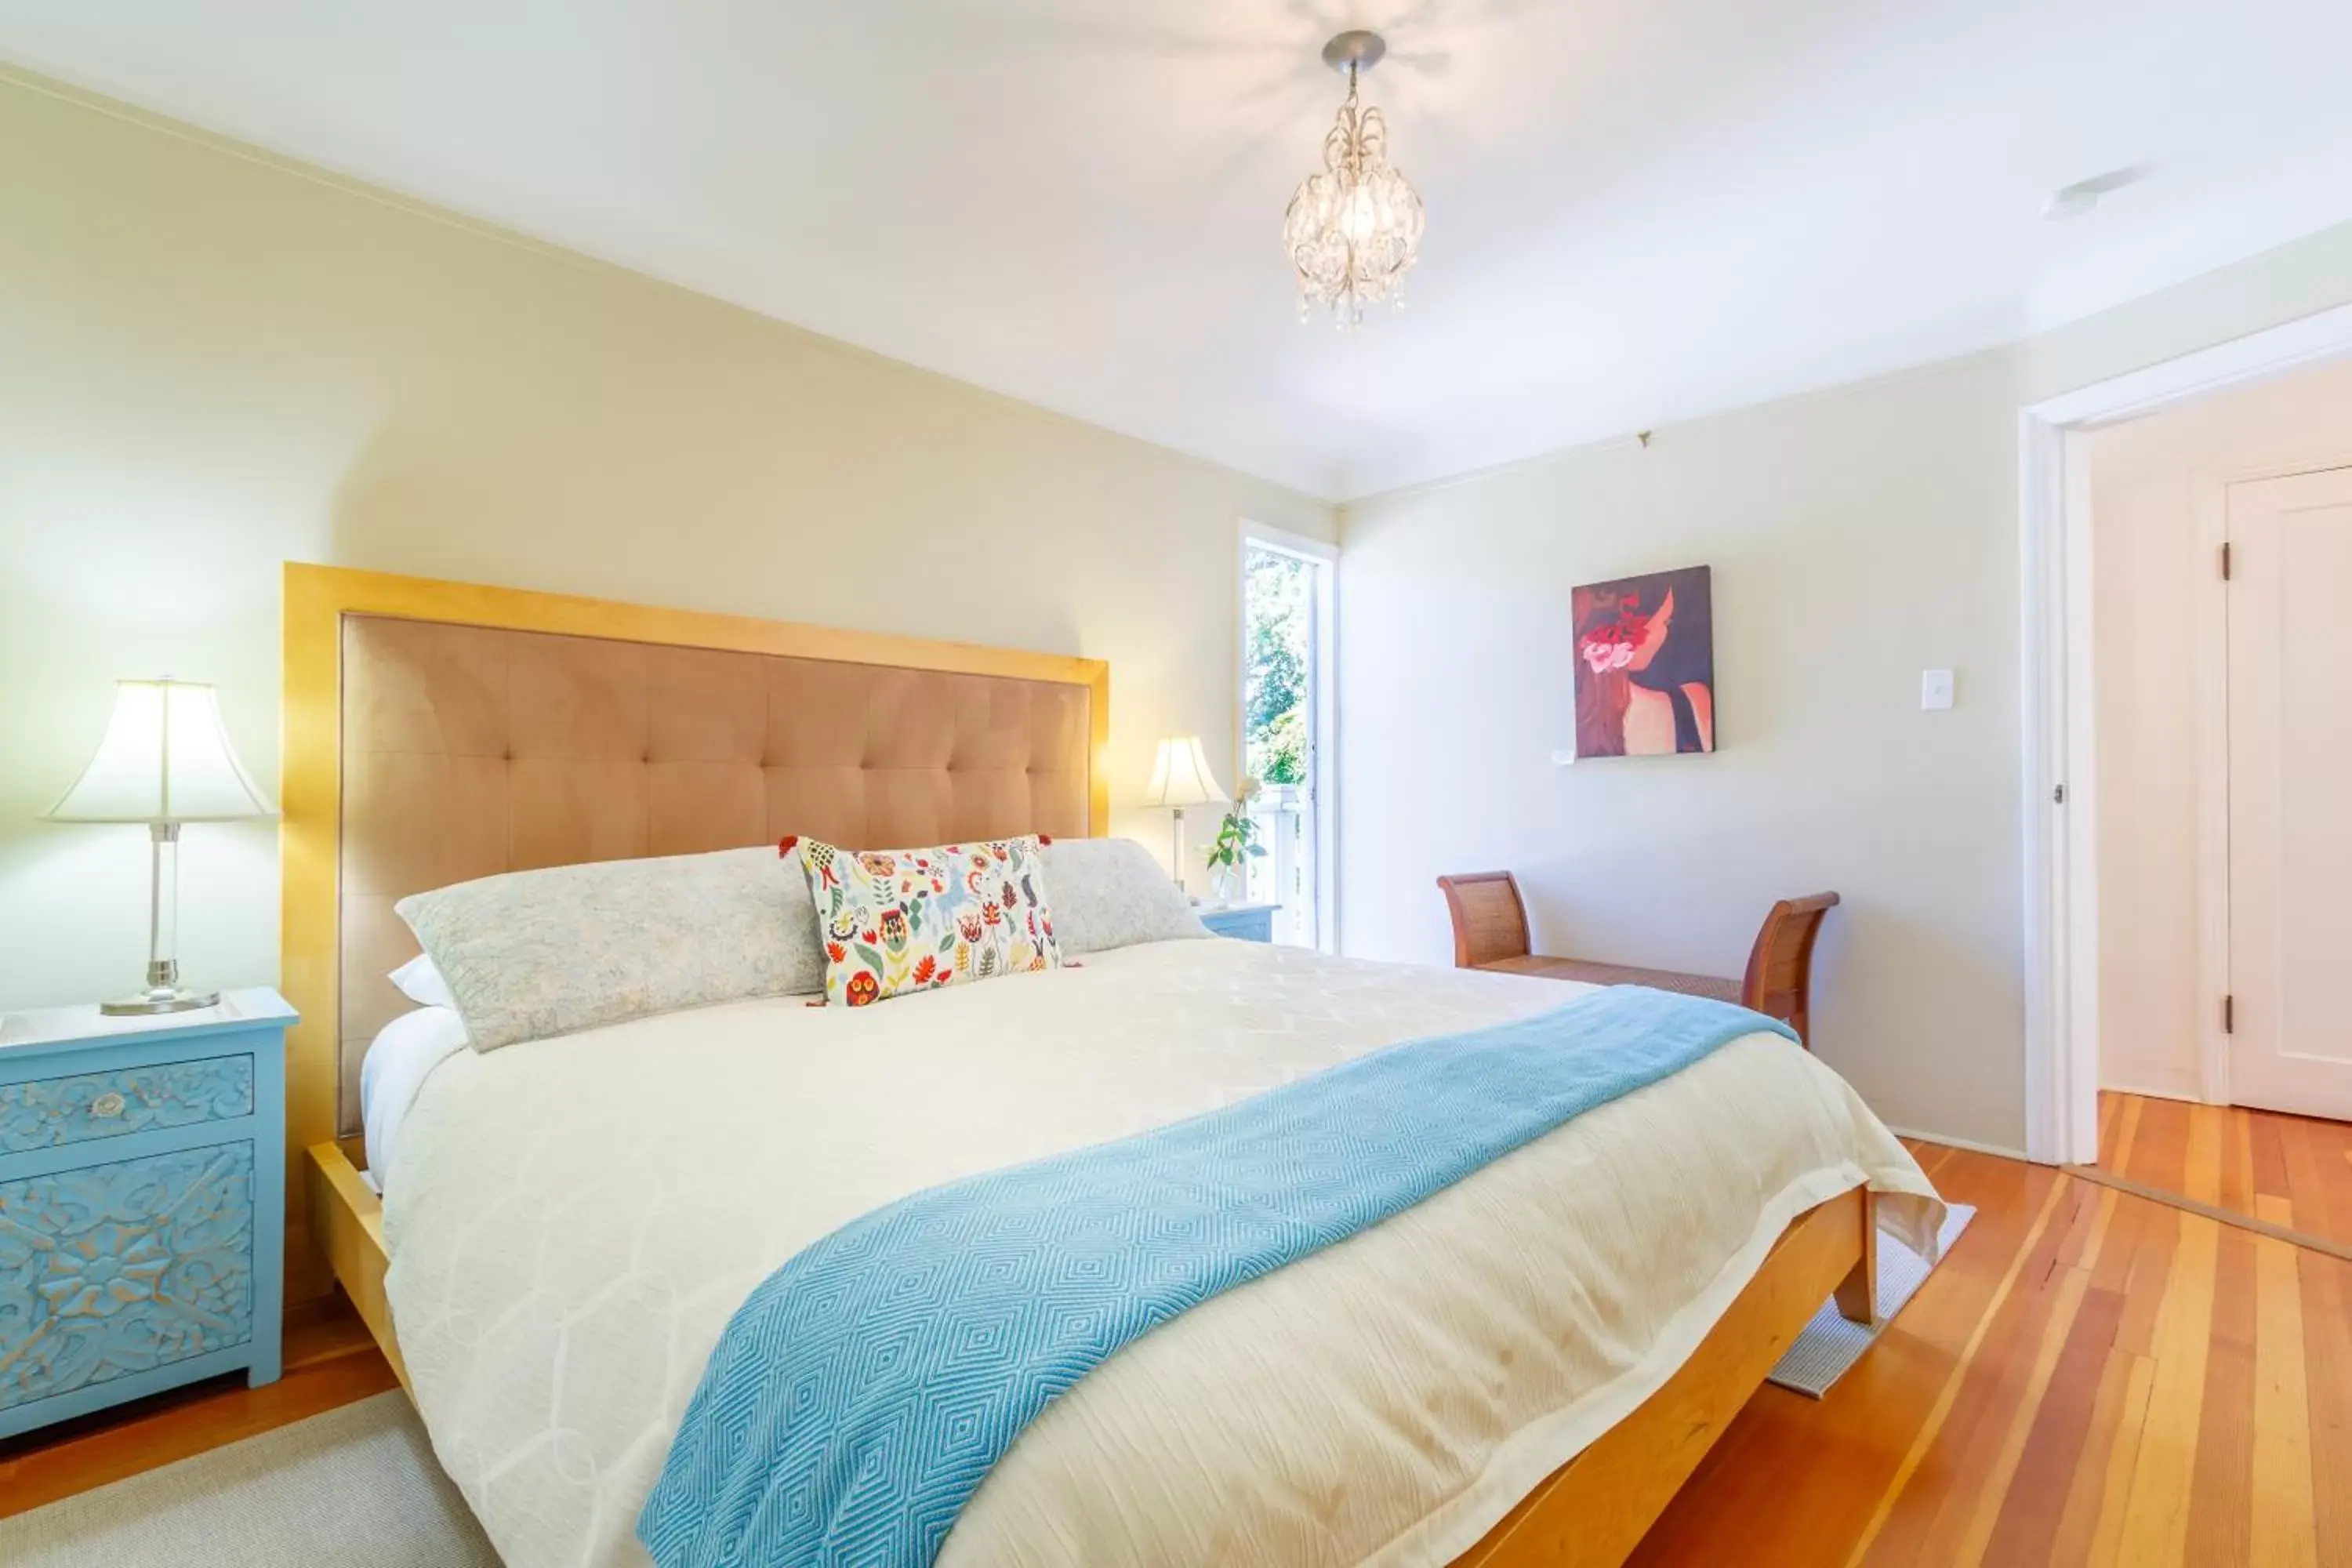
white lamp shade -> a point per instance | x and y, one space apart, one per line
1180 776
165 758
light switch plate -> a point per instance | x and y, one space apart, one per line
1935 689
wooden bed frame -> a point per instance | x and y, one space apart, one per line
1590 1513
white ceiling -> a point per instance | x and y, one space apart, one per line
1639 210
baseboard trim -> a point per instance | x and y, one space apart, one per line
1971 1144
2179 1097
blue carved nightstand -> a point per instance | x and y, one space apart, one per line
142 1203
1249 922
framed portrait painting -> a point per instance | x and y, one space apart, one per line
1644 665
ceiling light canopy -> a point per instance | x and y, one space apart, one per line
1353 229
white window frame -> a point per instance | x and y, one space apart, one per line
1323 698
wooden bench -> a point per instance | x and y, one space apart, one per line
1490 932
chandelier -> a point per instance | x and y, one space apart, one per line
1354 229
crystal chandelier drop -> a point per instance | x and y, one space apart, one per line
1354 226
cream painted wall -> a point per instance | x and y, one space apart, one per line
211 362
1858 536
2151 566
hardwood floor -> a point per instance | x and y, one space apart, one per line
2091 1378
2294 1170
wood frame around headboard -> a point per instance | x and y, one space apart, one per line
318 598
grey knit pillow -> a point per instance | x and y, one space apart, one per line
1110 892
535 953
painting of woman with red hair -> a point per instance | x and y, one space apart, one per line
1644 665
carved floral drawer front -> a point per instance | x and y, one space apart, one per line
49 1111
118 1269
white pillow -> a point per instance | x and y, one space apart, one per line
1110 892
536 953
402 1057
422 983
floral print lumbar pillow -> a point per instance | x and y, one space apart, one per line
899 920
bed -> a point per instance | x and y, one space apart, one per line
1521 1369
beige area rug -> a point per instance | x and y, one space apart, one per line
355 1487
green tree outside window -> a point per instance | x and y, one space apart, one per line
1274 717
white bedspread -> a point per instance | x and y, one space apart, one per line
576 1220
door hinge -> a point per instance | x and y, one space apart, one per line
2058 795
2229 1015
2225 562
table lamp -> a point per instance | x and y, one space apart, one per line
1180 777
165 760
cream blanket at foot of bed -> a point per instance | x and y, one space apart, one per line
575 1220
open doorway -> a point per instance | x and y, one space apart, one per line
2059 773
2219 532
1288 630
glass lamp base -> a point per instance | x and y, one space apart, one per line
164 993
161 999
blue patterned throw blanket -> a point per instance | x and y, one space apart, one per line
861 1394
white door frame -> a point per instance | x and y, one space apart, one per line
1324 782
2062 878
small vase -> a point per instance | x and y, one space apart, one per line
1221 885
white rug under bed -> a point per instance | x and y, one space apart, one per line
1828 1345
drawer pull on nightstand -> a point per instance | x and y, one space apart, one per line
110 1103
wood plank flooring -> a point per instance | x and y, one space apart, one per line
2091 1378
2235 1159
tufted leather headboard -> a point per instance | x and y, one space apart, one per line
471 750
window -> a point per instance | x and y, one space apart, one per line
1286 713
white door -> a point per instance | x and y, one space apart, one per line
1287 647
2291 793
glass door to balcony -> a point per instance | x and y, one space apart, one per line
1286 605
